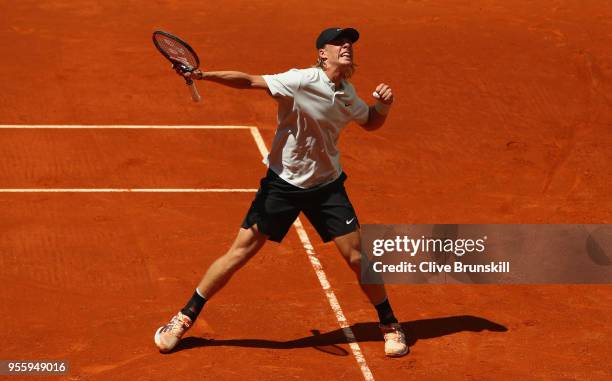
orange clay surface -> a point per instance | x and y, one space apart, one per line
502 115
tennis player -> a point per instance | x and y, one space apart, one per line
304 175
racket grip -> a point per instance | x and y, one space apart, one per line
195 95
376 95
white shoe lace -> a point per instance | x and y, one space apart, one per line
177 326
394 334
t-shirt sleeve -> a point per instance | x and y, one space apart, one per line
284 84
361 111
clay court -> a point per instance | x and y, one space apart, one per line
503 114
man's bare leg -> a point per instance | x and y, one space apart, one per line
247 243
245 246
349 246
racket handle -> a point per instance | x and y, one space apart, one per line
194 91
376 95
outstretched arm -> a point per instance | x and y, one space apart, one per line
378 112
235 79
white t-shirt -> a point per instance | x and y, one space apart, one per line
311 114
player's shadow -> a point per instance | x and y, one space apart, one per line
364 332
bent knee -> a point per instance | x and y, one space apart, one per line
355 260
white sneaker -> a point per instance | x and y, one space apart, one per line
395 340
170 334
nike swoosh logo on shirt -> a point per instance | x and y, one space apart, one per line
349 221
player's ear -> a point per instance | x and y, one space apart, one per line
322 58
322 54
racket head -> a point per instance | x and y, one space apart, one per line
178 52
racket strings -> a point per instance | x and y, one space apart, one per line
177 52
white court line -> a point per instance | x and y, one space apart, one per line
318 269
127 190
118 127
261 145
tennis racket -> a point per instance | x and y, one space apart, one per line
182 56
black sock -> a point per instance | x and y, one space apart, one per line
194 306
385 313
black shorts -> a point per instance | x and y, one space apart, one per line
277 204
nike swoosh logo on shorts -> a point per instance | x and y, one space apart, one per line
349 221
